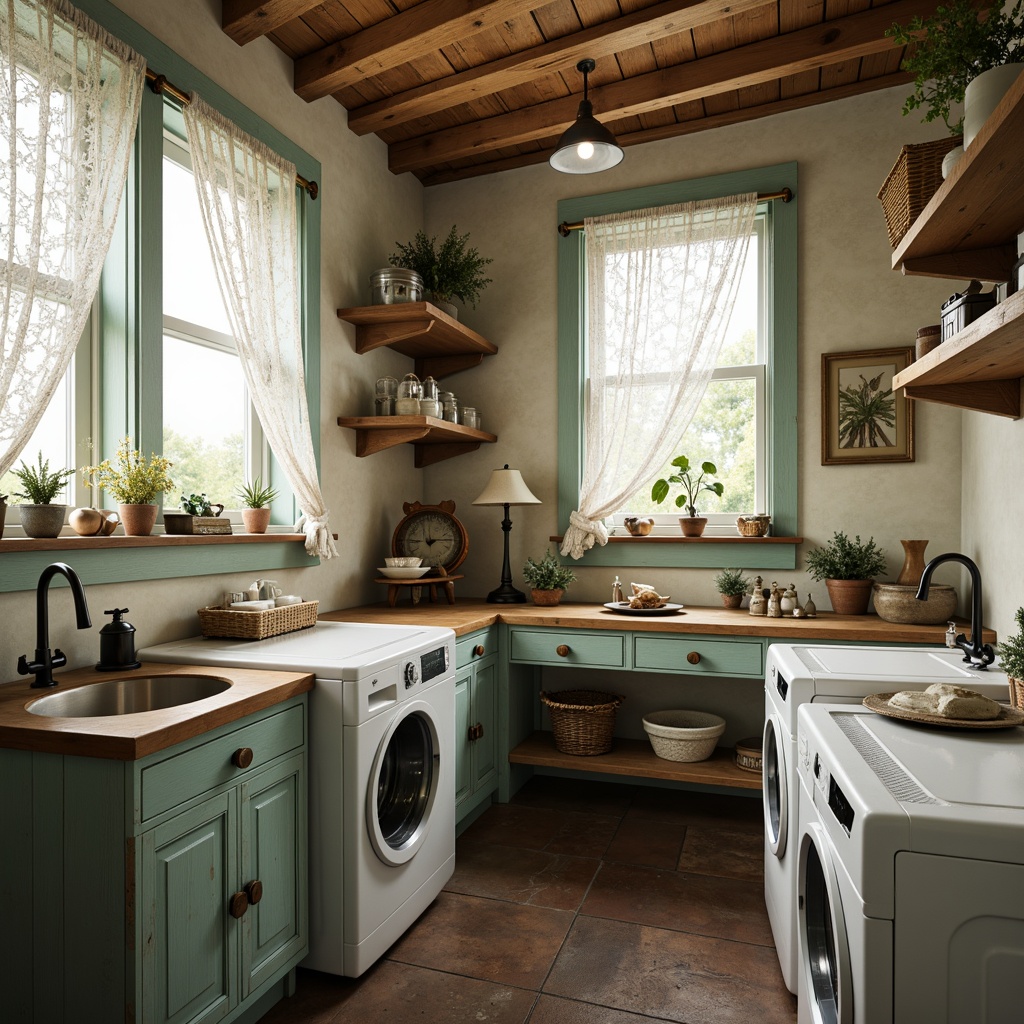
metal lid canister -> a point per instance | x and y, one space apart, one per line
395 284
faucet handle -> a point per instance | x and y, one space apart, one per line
58 658
23 666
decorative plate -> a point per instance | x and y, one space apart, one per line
879 703
622 607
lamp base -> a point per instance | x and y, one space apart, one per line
506 594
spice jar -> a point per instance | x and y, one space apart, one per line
409 391
470 417
449 407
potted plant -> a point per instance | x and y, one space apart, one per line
1011 661
256 501
848 569
732 585
453 270
39 486
692 484
548 578
134 481
196 515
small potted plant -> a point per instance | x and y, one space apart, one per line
133 481
455 270
732 585
1011 661
196 515
692 483
256 501
548 579
39 486
848 569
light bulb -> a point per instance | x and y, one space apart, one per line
585 150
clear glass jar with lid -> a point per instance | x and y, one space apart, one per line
409 392
449 407
470 417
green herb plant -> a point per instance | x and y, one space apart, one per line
1011 650
548 573
453 269
132 479
255 495
39 485
845 559
196 505
691 482
731 582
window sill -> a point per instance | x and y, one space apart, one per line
694 552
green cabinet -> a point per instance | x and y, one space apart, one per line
476 721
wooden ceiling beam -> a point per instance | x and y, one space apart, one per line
754 64
562 54
246 20
420 30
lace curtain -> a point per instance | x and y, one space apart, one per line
247 198
661 287
69 104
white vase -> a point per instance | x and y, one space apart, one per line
949 161
983 95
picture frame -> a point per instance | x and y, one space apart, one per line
862 419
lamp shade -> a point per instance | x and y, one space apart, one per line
586 146
506 487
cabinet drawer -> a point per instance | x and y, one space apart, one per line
472 648
698 656
177 779
543 647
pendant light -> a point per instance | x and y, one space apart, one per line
586 146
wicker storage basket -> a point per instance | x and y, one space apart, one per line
582 720
257 625
913 180
1016 692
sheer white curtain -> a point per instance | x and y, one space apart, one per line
69 104
247 196
661 287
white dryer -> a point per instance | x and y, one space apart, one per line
382 774
911 871
799 674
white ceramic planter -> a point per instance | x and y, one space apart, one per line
983 95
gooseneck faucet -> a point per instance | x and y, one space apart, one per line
978 655
44 663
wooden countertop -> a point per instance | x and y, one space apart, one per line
469 615
129 737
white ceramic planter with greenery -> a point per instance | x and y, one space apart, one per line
983 94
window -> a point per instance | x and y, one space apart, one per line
746 424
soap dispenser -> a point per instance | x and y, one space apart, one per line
117 643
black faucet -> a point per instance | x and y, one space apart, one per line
978 655
45 662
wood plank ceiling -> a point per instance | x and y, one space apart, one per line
459 88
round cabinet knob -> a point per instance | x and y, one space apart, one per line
479 650
693 658
242 757
254 891
562 650
238 904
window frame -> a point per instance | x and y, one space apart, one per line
781 366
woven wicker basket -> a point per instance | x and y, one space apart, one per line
257 625
911 183
582 720
1016 692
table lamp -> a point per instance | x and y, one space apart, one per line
506 487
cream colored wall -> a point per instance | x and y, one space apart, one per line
849 299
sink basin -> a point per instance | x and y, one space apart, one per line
128 696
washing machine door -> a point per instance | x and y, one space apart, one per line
827 981
403 784
775 785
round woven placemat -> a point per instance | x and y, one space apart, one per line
879 703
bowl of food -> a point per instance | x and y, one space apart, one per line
404 562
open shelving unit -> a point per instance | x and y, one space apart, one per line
434 440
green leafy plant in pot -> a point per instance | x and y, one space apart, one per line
732 585
256 501
1011 660
40 517
134 482
848 569
548 579
692 483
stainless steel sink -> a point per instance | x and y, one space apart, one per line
128 696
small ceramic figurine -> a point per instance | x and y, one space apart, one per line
789 600
758 604
810 609
774 602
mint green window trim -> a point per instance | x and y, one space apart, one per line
781 296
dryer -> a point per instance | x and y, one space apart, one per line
797 674
911 871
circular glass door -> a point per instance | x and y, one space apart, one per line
775 783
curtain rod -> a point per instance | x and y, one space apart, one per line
785 194
160 85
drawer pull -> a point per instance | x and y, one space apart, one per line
254 892
562 650
693 658
242 757
238 904
476 732
479 650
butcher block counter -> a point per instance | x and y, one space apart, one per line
130 737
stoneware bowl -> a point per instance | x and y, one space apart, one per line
897 603
406 562
683 735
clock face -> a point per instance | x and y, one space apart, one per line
434 535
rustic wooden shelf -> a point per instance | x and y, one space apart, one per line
118 542
440 344
636 758
435 440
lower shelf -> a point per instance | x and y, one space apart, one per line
636 758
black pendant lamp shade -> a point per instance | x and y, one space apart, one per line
586 146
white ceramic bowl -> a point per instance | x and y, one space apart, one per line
683 735
405 562
404 572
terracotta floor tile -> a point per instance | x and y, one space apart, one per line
584 835
728 908
710 851
491 940
317 999
575 794
535 877
552 1010
639 841
671 975
737 813
531 828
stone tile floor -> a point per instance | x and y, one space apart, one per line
581 903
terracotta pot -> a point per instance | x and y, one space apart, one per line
913 563
42 520
256 520
732 600
692 526
137 520
548 597
849 597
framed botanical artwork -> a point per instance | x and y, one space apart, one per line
862 419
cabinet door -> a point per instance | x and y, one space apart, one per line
463 746
273 835
484 713
189 959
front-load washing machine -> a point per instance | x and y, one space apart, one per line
382 774
911 871
797 674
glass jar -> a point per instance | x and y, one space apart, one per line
449 407
428 389
387 386
430 407
383 405
409 391
470 417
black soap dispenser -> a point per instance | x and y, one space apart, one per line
117 643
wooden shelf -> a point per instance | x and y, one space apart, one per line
440 344
636 758
435 440
118 542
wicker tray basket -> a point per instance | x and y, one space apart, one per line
1016 692
911 183
582 720
257 625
